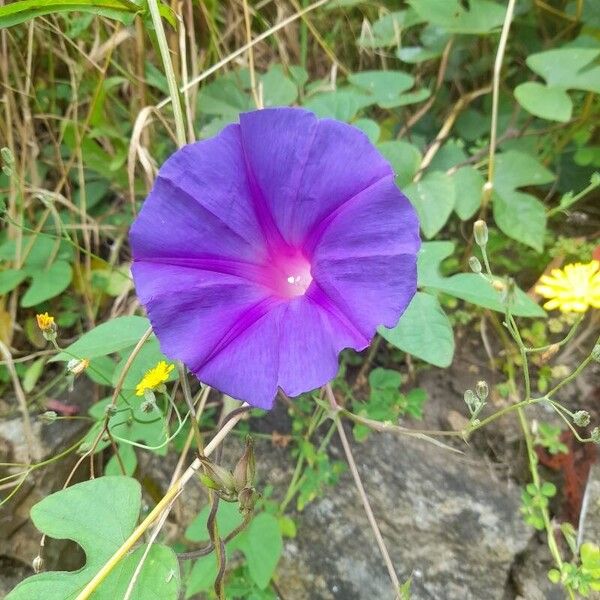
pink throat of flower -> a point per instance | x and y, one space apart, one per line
290 275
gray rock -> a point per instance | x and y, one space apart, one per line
446 519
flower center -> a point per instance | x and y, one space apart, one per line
290 276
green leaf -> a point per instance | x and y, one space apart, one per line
96 157
341 105
467 286
128 459
404 158
517 169
99 515
417 54
41 247
33 373
369 128
430 257
278 90
424 331
228 518
551 103
101 370
224 97
10 279
568 68
112 336
387 30
260 542
433 198
19 12
135 426
47 283
202 576
519 215
468 183
385 86
262 545
481 17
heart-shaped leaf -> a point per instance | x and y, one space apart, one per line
99 515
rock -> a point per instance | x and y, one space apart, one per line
529 577
446 519
590 518
19 539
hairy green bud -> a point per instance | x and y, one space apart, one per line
49 416
482 390
475 264
480 231
581 418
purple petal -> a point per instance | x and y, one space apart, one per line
192 311
246 367
200 205
308 347
365 257
303 169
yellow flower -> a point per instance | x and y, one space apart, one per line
45 322
574 288
154 378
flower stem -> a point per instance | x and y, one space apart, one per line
169 72
489 187
574 374
362 493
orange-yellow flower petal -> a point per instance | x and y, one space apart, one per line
154 377
45 321
575 288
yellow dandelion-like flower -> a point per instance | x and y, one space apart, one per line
154 377
45 322
575 288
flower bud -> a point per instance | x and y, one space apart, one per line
49 416
77 366
480 231
475 264
149 404
482 390
111 410
47 326
38 564
581 418
244 471
247 499
548 354
471 400
216 477
7 155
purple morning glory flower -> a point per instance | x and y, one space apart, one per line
262 252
